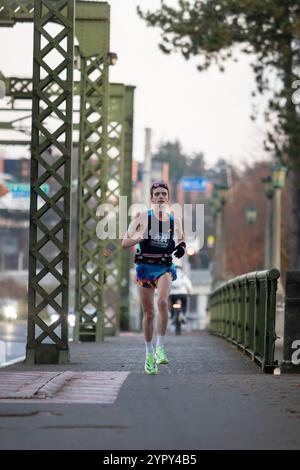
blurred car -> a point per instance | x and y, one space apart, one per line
71 319
8 309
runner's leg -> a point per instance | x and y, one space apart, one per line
147 300
163 290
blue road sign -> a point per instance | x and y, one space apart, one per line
22 190
193 184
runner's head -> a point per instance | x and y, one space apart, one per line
159 192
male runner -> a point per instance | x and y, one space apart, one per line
155 231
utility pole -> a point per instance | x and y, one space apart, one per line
278 178
147 167
219 271
276 230
269 234
269 192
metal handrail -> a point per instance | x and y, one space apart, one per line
243 311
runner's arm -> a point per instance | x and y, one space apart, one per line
179 234
135 232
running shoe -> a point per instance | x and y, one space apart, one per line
150 364
161 357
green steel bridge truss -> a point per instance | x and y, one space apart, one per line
120 126
99 310
105 149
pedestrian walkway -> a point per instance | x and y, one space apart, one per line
61 387
210 396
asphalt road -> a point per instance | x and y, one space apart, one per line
209 397
13 338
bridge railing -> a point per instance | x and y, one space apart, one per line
243 311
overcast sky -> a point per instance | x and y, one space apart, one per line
206 111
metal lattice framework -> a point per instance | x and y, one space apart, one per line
19 88
111 292
16 10
52 152
120 129
126 170
92 178
92 172
119 184
97 160
51 162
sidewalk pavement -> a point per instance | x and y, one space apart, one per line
210 396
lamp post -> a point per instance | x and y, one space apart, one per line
278 179
251 215
147 167
269 192
219 198
273 185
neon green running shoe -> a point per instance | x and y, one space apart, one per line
161 357
150 365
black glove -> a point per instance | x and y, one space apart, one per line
179 250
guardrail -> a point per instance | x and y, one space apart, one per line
243 311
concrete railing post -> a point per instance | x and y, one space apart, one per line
291 341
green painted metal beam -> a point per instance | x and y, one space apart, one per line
126 190
92 172
12 11
111 293
92 21
92 28
92 32
51 162
120 144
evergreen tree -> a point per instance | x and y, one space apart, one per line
171 152
269 30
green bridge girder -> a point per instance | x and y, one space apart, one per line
126 190
119 184
120 130
120 145
49 344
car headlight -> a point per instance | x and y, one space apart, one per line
54 317
71 320
10 312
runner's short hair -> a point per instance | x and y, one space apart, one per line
158 184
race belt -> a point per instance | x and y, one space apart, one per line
161 260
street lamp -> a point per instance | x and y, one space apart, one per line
268 186
215 203
112 58
273 185
222 192
269 192
251 214
219 198
278 175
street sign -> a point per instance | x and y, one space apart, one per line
196 184
23 189
16 196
